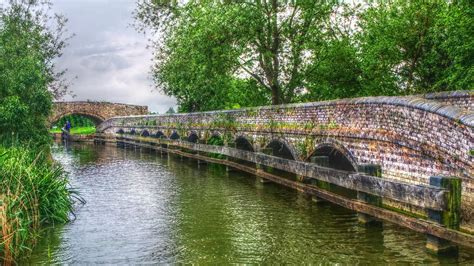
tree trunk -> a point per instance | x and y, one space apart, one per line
276 99
275 69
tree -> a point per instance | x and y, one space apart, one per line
257 49
417 46
170 111
29 43
227 54
76 121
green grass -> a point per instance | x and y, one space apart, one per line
34 190
76 130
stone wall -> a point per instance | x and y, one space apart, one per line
97 111
464 99
412 138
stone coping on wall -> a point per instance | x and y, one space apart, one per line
449 94
451 112
99 102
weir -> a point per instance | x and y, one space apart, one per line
408 159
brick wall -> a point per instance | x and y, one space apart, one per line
98 111
412 138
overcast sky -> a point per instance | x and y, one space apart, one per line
108 56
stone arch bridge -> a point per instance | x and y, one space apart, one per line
97 111
411 138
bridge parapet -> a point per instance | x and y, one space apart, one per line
464 99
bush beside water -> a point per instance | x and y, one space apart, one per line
34 191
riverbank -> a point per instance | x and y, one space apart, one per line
34 191
76 131
75 138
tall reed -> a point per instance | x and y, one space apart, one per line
34 190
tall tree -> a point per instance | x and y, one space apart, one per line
226 54
29 43
417 46
257 49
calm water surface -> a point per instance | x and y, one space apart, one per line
142 208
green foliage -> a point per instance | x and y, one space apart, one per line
170 111
234 53
416 46
76 121
77 130
231 54
218 141
28 83
215 140
334 73
225 121
33 191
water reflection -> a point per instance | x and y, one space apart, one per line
144 208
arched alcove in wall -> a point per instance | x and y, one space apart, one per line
242 143
175 135
280 148
334 155
159 134
193 137
338 157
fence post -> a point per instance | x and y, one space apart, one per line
372 170
268 151
200 153
163 146
230 145
449 217
324 162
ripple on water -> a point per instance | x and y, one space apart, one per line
142 208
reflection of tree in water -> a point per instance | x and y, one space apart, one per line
48 248
87 152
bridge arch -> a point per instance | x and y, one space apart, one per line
281 148
215 139
339 157
120 131
242 143
97 111
174 135
159 134
193 137
145 133
97 120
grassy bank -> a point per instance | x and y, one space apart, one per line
33 191
76 130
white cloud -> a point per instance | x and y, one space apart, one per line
108 57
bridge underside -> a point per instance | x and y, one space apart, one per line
97 120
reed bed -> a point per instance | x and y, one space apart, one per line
34 191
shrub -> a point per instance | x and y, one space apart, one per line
34 190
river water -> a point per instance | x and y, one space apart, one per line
143 208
